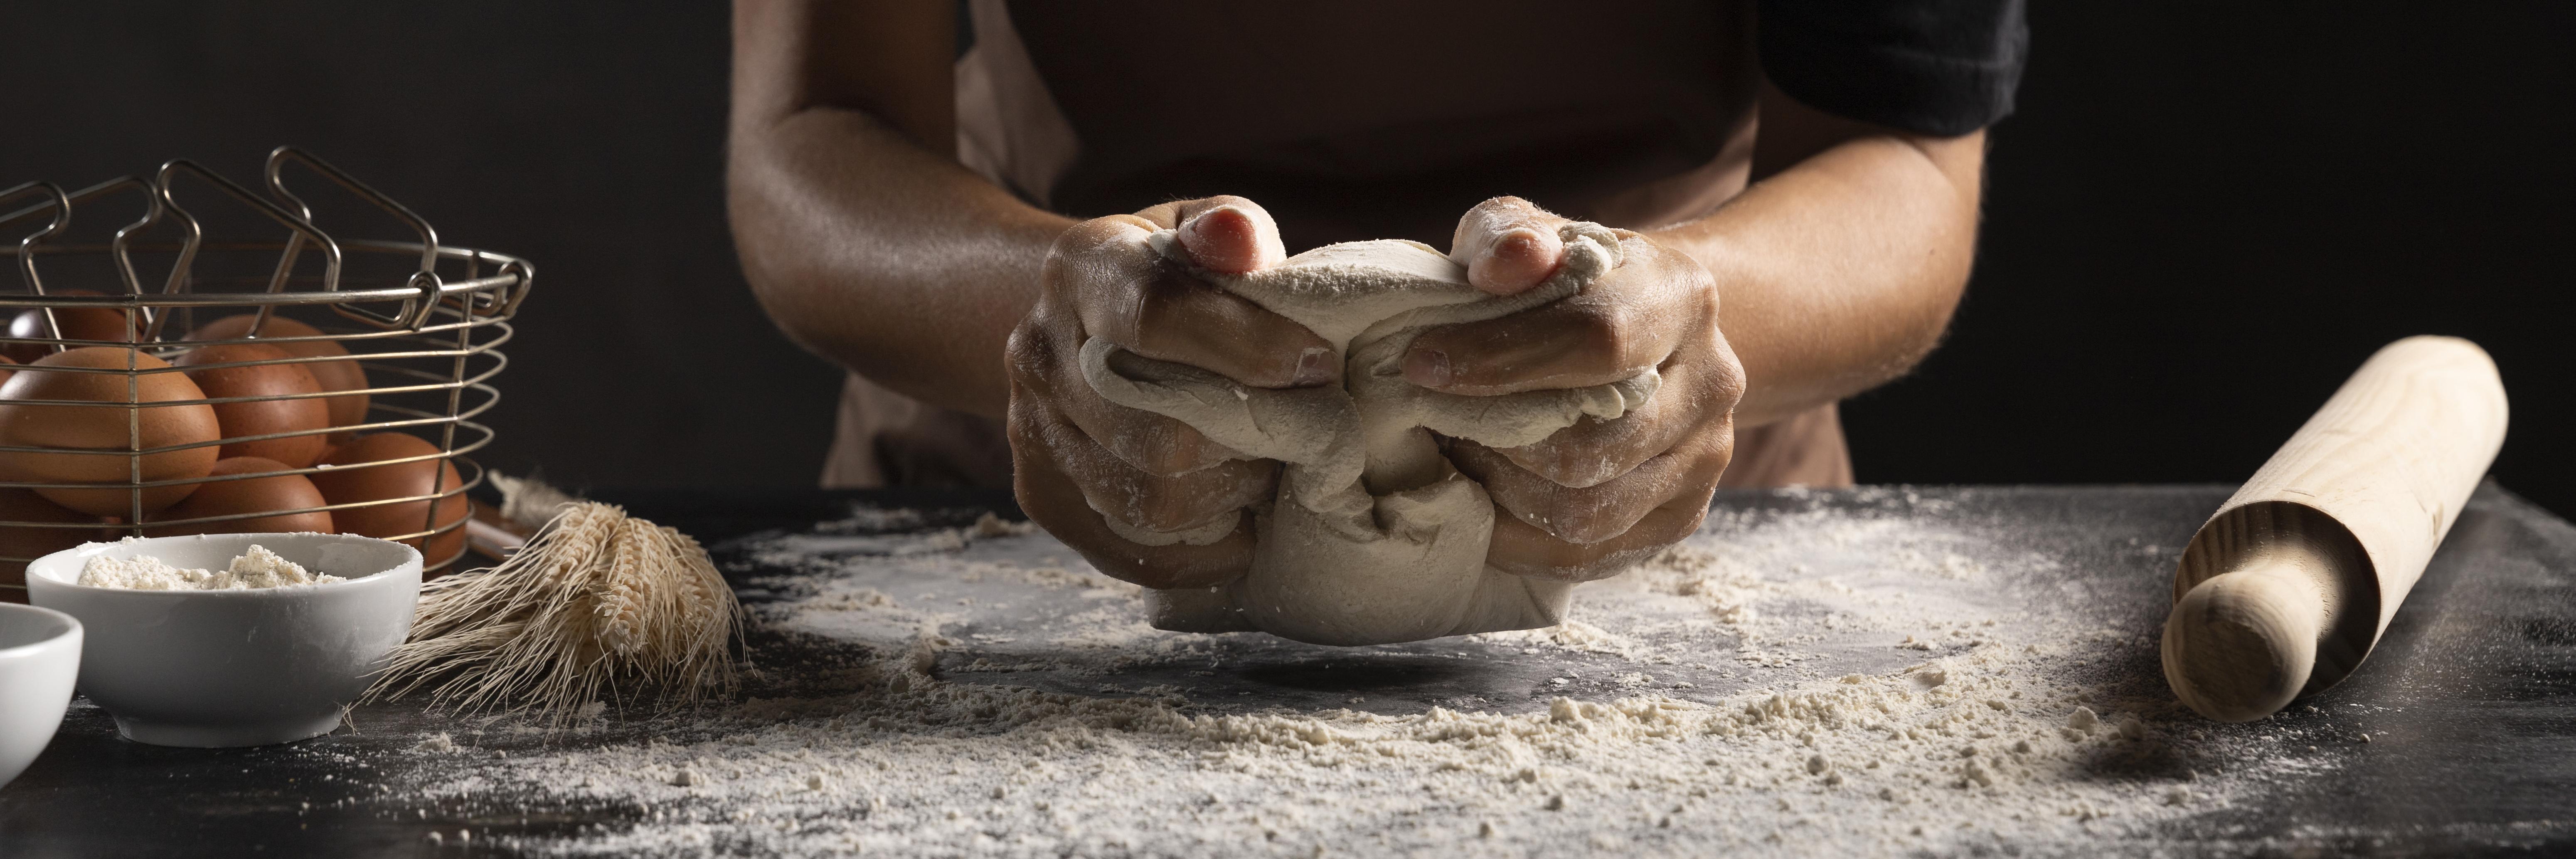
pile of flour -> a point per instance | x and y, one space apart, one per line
1800 681
256 568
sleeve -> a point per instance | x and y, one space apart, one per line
1945 67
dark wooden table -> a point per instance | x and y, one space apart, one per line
2473 692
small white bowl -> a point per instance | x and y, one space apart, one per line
40 653
214 669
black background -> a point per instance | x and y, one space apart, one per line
2204 216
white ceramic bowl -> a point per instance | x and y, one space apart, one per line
40 653
212 669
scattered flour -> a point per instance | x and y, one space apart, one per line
1968 729
908 764
256 568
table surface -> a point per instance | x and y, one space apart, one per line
2469 701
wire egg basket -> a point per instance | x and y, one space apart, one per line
399 336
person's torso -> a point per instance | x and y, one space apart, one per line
1354 120
1347 121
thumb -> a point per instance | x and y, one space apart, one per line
1507 245
1232 238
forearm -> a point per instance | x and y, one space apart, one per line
1839 271
881 256
860 234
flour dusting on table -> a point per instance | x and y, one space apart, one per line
1794 680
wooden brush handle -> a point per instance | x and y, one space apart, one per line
2285 590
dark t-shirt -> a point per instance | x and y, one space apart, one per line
1944 68
1366 119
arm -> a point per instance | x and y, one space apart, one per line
1840 267
869 245
861 235
1838 271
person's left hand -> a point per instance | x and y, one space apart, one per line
1596 496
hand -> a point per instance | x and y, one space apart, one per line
1078 458
1595 496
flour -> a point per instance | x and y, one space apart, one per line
254 569
905 764
1691 719
1374 538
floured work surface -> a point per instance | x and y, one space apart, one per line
1880 671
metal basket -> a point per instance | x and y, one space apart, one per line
422 321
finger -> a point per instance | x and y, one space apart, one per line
1523 547
1052 500
1520 549
1152 502
1508 245
1224 233
1124 291
1589 514
1167 216
1233 239
1581 341
1628 320
1595 451
1698 385
1044 365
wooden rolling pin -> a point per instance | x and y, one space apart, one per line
2285 590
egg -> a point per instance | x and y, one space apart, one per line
5 374
77 323
347 478
334 375
30 542
262 417
252 495
91 441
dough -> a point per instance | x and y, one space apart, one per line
1374 538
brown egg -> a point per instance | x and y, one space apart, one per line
349 480
255 495
104 430
334 375
5 374
266 416
78 323
35 541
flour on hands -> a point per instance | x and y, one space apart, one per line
1374 537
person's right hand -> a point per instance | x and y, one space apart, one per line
1077 458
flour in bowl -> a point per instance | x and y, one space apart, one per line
257 568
